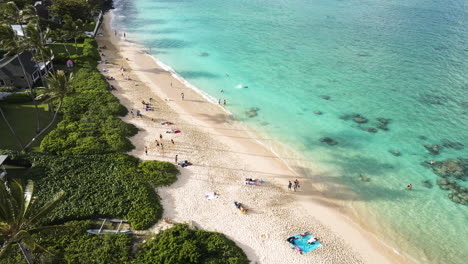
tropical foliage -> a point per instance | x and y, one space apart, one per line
72 244
158 172
182 245
21 214
90 124
96 186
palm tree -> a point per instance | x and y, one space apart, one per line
20 217
74 29
11 42
59 87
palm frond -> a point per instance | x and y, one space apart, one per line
47 208
5 247
28 198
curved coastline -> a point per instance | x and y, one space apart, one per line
348 229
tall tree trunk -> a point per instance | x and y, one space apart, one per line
26 253
76 47
38 127
11 129
47 127
66 49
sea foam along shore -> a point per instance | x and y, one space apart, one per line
223 155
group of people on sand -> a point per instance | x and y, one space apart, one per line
292 240
295 185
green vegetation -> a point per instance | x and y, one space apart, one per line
18 98
76 9
90 124
182 245
20 213
8 89
72 244
22 118
96 186
158 173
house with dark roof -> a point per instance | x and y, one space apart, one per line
12 74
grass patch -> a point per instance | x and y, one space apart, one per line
22 118
60 48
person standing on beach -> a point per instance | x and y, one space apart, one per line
157 143
160 137
176 156
296 182
219 101
224 101
172 141
115 32
295 186
146 150
125 36
289 185
182 96
171 84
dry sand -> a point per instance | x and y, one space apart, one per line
223 154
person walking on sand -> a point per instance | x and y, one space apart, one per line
162 147
182 96
171 84
295 186
146 150
157 143
289 185
172 141
296 182
176 156
160 136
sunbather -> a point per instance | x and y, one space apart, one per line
312 240
173 131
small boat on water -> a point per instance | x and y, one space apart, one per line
102 231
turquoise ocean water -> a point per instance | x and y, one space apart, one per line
402 60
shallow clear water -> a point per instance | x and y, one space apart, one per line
403 60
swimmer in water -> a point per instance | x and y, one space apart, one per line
222 90
409 186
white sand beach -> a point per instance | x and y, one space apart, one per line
223 154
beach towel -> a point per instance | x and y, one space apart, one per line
301 242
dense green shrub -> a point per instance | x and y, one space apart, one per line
90 124
61 58
72 244
18 98
90 49
182 245
95 186
8 89
158 172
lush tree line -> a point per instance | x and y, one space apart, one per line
72 244
112 185
183 245
90 123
